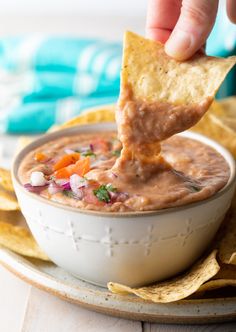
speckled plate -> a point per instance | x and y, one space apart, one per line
55 280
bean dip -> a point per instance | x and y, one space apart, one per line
79 171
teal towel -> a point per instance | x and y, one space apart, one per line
47 80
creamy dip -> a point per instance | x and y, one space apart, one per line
142 126
188 171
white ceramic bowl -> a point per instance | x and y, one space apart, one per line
134 248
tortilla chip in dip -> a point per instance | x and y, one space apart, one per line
177 288
160 96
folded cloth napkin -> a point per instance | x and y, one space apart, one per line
46 80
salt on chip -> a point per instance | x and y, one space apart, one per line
177 288
20 240
8 201
5 179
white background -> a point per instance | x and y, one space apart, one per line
61 7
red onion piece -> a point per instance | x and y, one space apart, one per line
118 197
66 186
35 189
76 184
69 151
54 188
61 182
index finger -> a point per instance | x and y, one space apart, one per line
162 16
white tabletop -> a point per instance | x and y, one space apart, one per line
24 308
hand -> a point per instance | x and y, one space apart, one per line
183 26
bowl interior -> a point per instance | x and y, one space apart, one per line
101 127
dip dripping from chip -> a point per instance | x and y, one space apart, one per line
160 97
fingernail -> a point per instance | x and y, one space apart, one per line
178 44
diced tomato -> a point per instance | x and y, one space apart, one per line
40 157
81 167
100 145
88 194
64 173
66 160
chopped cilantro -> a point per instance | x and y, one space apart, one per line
102 193
116 153
88 153
68 193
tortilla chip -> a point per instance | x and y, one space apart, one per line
22 142
227 245
227 242
8 201
20 240
219 123
216 284
93 115
5 179
154 76
177 288
224 278
227 271
229 106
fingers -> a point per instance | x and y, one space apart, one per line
195 23
231 10
162 16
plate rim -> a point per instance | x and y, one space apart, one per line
10 260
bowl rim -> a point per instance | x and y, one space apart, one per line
111 126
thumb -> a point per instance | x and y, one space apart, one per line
195 23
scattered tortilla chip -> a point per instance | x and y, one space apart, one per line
15 218
229 106
227 246
219 123
8 201
177 288
22 142
154 76
5 179
216 284
224 278
227 271
93 115
20 240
